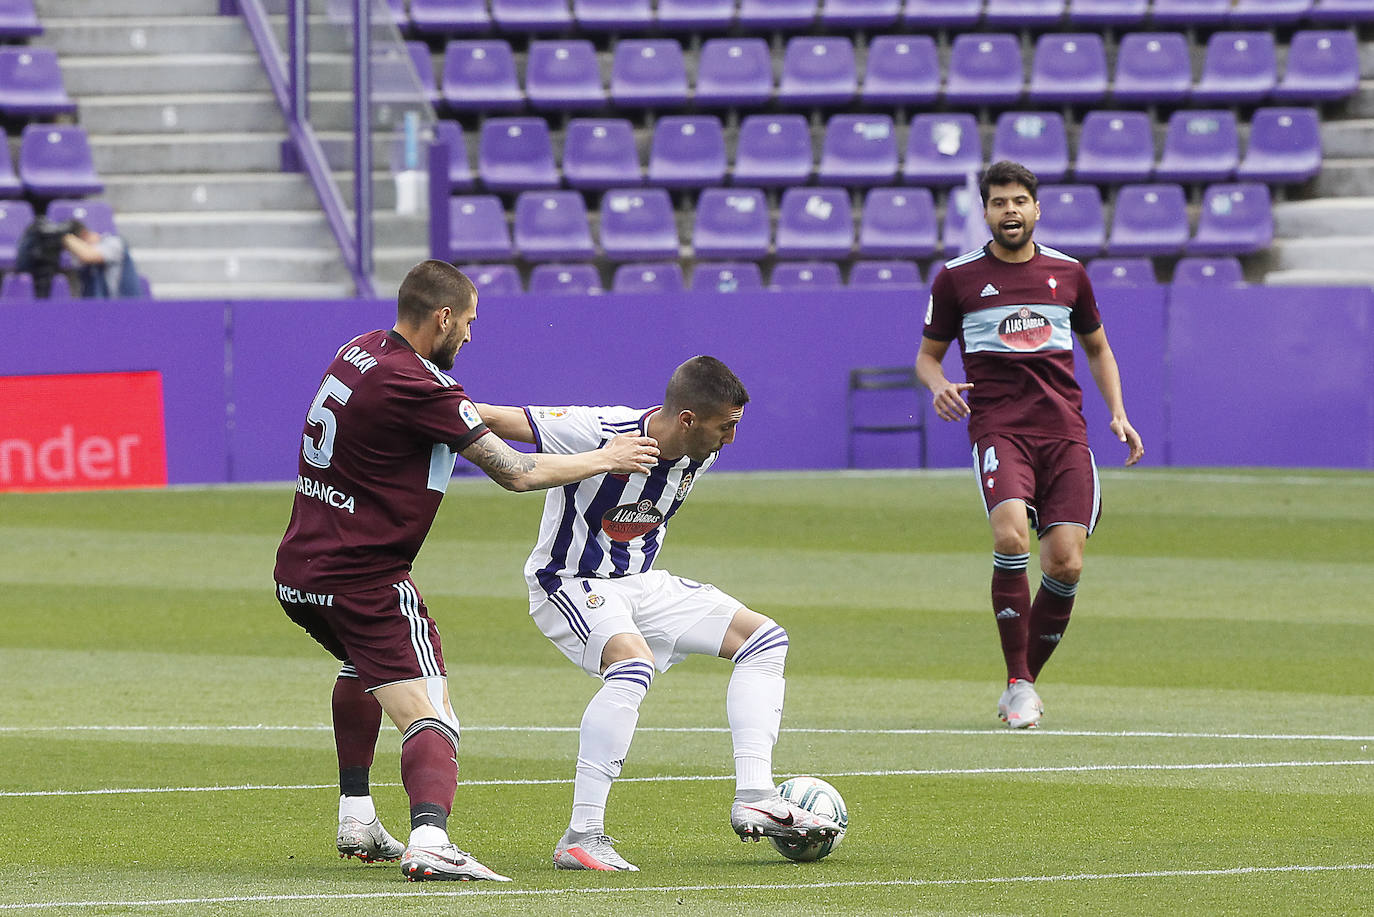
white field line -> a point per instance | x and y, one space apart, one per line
498 891
697 778
998 731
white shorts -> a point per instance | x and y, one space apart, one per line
675 616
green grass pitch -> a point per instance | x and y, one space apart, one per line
1206 748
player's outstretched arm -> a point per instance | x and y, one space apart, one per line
522 472
948 397
509 423
1102 363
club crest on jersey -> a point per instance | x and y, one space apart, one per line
629 521
1054 286
1025 330
685 487
595 601
468 411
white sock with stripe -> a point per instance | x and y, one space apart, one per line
753 704
608 726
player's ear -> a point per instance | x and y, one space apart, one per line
686 418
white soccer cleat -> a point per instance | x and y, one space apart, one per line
776 817
589 851
444 863
368 841
1019 706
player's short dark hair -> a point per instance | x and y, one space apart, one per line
429 287
705 385
1007 172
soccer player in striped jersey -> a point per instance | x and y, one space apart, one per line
376 455
594 593
1015 306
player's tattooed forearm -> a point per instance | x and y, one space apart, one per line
499 460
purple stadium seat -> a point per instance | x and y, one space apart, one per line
31 83
19 19
818 70
902 70
1133 272
776 14
516 154
450 133
687 152
1342 11
1323 66
95 214
16 287
963 227
565 280
773 150
1071 219
814 223
1236 219
649 278
734 72
726 276
61 287
55 161
805 275
884 275
10 185
494 279
480 76
638 225
1153 68
563 75
1107 12
15 217
1115 147
898 222
1068 69
942 14
1197 271
984 69
1199 146
695 15
859 14
1023 14
648 73
1285 146
600 153
1189 13
449 17
613 15
1036 139
731 223
942 149
1239 68
531 15
1258 14
477 228
1150 220
552 226
858 150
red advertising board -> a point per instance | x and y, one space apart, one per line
80 432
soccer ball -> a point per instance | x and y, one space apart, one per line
814 795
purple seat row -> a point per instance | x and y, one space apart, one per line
982 70
54 161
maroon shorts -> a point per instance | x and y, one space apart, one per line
386 633
1056 478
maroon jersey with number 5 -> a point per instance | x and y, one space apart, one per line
377 453
1015 325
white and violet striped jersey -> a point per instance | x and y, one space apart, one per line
607 526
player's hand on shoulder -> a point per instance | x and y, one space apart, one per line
632 454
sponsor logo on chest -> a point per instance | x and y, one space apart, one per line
629 521
1025 330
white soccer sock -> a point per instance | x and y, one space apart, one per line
753 704
360 807
608 726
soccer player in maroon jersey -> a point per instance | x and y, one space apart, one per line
1015 307
377 453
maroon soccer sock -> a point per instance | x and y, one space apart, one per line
357 720
1011 603
1049 617
429 770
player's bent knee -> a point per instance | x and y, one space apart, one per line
767 642
622 647
439 726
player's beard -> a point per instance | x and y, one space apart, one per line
447 351
1000 237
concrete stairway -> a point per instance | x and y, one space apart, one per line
187 137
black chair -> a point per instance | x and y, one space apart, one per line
893 401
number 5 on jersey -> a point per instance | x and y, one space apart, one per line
320 454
